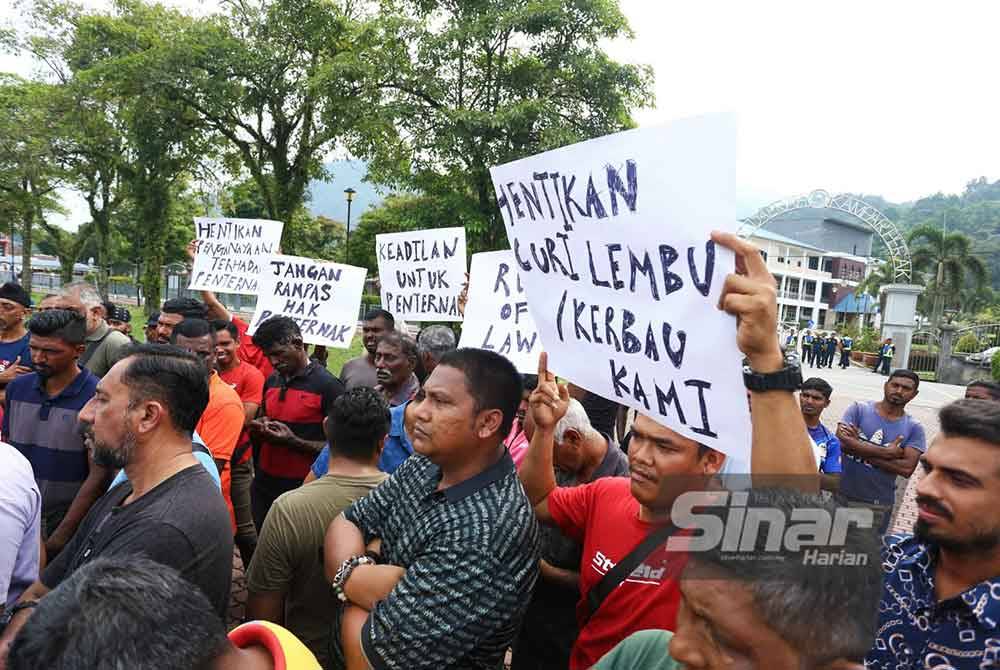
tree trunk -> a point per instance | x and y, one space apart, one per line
153 210
66 270
26 225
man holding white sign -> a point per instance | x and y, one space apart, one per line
229 252
615 517
421 273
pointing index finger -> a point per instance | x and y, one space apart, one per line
747 254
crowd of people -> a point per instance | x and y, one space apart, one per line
431 507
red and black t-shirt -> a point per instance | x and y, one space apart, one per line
301 403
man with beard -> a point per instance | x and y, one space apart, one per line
169 510
395 363
172 313
297 398
939 605
40 420
880 441
361 371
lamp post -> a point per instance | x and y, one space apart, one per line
349 194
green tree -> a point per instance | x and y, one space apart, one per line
279 81
65 245
947 260
465 86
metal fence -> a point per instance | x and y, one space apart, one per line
925 347
979 343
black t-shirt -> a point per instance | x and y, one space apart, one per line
182 522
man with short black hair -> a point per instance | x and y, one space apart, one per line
248 382
982 390
173 312
222 421
129 612
104 344
939 607
15 356
286 582
757 608
361 371
395 363
40 420
880 442
169 510
459 543
433 342
297 398
814 397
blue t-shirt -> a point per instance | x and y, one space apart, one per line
847 343
866 483
397 446
9 351
829 445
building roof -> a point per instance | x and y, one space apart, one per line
775 237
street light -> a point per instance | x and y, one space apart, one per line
349 194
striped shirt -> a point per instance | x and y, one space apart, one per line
44 429
471 557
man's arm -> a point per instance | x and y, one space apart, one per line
93 487
250 412
570 579
781 444
214 308
279 433
367 584
547 404
34 592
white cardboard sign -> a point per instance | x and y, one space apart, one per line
229 253
421 273
323 297
496 315
612 240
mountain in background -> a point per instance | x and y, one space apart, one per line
327 197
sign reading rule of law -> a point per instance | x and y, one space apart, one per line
611 238
421 273
496 314
322 297
230 251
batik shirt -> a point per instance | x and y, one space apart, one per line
915 631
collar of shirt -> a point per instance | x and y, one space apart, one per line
99 332
920 560
71 390
453 494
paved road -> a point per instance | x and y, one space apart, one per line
857 383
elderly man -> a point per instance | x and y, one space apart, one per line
581 454
104 344
395 362
360 371
433 342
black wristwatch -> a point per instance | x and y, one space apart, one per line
788 378
9 614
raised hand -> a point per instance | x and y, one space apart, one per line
550 399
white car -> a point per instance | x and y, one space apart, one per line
983 357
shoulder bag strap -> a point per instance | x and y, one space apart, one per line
616 575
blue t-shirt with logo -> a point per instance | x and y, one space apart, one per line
829 445
397 446
866 483
9 351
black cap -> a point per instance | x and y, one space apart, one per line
116 313
153 319
15 293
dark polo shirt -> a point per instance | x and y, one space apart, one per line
471 557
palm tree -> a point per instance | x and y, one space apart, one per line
947 259
873 283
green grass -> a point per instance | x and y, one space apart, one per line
335 360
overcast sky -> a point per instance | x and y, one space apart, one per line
891 98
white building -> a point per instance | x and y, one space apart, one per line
812 282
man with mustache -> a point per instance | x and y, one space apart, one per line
395 363
939 605
880 441
169 510
611 517
40 420
297 398
361 371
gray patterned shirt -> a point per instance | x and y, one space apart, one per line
471 557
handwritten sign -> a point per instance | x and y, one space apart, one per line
611 239
229 253
497 316
422 273
322 297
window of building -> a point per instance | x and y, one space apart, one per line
822 317
814 262
827 265
809 291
